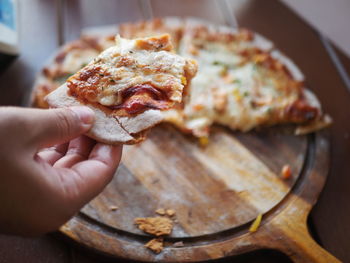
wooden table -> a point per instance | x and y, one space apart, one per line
47 24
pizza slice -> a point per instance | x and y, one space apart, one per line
75 55
128 85
242 83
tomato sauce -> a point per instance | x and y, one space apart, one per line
141 97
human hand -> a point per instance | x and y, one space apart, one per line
49 170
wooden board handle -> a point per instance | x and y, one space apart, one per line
291 235
301 248
290 222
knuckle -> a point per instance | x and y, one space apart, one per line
11 119
65 122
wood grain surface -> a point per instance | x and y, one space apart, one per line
212 189
331 215
216 191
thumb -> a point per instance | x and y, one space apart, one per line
55 126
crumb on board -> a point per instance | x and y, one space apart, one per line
286 172
163 212
157 226
113 208
160 211
178 244
156 245
255 225
170 212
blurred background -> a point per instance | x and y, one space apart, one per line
316 35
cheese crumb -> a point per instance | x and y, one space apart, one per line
255 225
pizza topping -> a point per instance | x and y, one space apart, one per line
239 84
136 99
133 76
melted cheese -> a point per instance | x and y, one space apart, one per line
135 62
250 93
78 58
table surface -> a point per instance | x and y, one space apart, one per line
45 25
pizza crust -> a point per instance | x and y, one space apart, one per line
289 64
108 129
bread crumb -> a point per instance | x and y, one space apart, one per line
178 244
156 245
113 208
157 226
170 212
163 212
160 211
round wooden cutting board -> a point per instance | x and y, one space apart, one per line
216 190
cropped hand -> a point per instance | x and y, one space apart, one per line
49 169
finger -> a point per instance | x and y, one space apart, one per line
55 126
88 178
52 154
107 154
78 150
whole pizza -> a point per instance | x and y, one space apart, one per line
243 81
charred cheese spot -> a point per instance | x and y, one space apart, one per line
300 111
88 83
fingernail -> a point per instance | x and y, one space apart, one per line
85 114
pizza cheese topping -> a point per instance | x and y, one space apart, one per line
133 76
239 85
